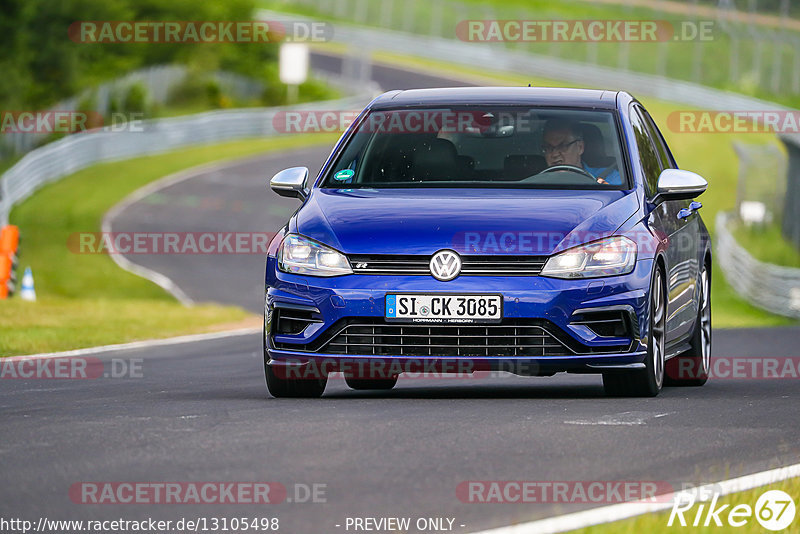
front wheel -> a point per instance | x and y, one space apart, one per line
280 386
285 381
646 382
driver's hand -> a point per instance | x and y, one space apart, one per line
601 181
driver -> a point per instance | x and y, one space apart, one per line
563 145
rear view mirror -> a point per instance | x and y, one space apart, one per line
675 184
290 182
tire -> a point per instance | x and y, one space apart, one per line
280 387
293 387
371 383
692 367
646 382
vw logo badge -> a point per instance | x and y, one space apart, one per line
445 265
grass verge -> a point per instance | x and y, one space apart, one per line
657 523
86 300
766 243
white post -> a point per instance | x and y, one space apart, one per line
293 66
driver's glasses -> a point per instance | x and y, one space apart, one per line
563 147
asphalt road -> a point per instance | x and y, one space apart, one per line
200 412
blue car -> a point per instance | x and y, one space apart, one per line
526 230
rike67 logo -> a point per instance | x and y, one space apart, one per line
774 510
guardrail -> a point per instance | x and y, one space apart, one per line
157 80
75 152
771 287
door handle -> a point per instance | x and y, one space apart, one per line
686 212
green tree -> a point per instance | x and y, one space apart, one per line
40 64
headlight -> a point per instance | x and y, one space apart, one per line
300 255
607 257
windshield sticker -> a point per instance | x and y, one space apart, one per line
345 174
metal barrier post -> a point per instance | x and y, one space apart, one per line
791 209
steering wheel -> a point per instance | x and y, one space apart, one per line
573 168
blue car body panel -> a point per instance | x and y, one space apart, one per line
414 222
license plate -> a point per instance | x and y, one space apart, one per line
421 308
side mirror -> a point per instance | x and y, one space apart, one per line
291 182
675 184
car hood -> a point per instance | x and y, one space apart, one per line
470 221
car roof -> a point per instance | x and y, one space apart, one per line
535 96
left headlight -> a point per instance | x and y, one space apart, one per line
300 255
606 257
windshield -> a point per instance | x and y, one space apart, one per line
477 147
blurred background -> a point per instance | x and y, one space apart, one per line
196 103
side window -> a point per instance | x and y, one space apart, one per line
651 164
664 155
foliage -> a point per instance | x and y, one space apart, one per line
41 65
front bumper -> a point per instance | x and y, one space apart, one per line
558 307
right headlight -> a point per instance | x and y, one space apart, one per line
301 255
606 257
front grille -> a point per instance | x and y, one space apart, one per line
404 264
372 336
445 341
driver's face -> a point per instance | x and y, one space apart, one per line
562 148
